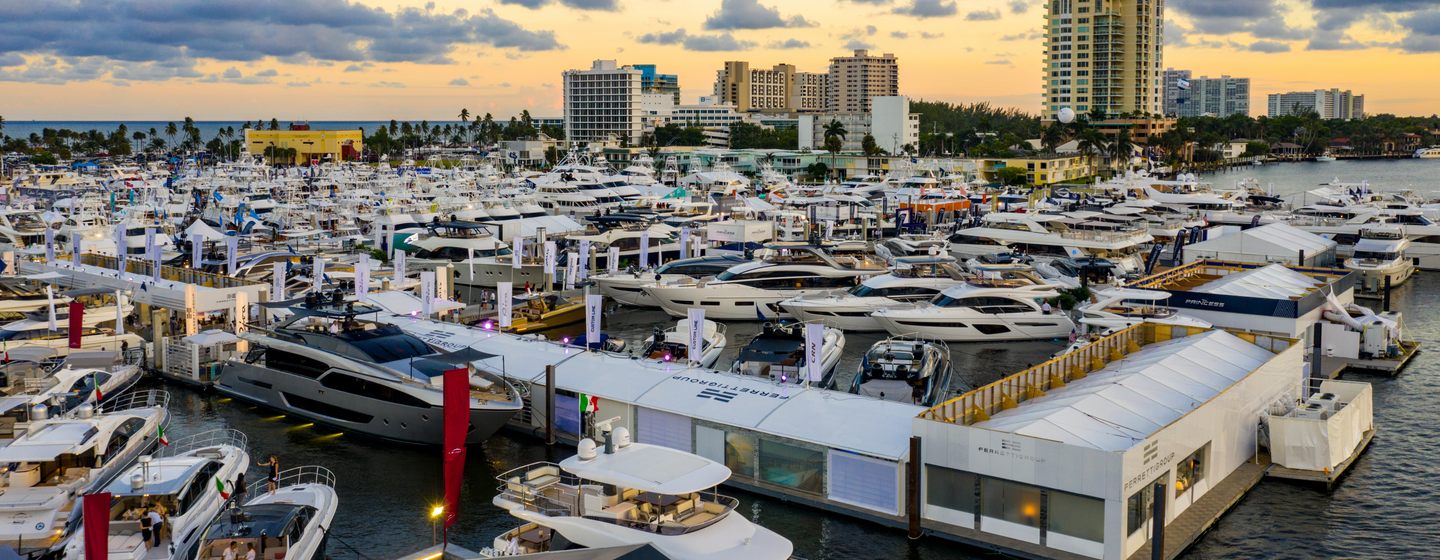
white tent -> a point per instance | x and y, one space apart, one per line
1270 243
199 227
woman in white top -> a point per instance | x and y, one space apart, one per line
230 551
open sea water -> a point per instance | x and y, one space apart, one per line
1386 507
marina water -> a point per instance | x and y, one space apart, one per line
1384 508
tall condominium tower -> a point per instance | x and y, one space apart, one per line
1104 54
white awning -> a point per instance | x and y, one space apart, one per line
650 468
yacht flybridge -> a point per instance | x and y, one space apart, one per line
630 493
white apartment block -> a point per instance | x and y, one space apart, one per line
889 121
855 79
1104 54
1331 103
603 104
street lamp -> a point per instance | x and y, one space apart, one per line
435 513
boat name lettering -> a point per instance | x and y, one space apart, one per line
1205 303
727 388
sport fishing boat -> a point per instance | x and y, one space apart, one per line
778 353
60 459
904 369
629 493
187 482
294 522
981 311
673 345
327 364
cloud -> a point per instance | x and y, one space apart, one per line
396 85
358 67
55 70
1032 35
319 30
606 5
1423 32
231 73
750 14
983 15
998 62
928 8
268 73
703 43
11 59
899 35
789 44
929 35
1019 6
459 82
532 4
857 44
1269 47
297 84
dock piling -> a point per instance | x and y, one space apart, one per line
1386 306
550 404
912 488
1157 523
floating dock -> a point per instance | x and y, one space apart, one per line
1328 477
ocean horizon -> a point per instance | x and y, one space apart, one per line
23 128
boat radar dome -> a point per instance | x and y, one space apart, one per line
622 437
586 449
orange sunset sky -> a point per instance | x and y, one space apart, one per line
340 59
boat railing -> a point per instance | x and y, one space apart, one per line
207 439
148 398
308 474
527 486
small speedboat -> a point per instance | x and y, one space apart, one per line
905 369
673 345
543 312
778 353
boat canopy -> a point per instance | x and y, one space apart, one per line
650 468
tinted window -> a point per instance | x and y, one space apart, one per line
289 362
391 348
357 386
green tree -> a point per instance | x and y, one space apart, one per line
44 158
834 139
1122 149
1011 176
170 132
867 145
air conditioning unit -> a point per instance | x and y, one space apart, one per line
1325 400
1312 411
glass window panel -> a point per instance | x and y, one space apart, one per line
740 453
1010 501
950 489
1076 516
792 466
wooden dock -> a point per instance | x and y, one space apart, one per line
1328 477
1390 367
1192 523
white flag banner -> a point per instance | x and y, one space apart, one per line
119 314
549 256
584 259
317 271
695 339
120 247
427 292
442 283
50 303
612 259
684 242
504 298
232 248
50 244
644 249
74 249
362 279
155 256
698 246
814 339
399 266
149 241
517 256
470 260
197 250
571 270
829 230
277 283
592 318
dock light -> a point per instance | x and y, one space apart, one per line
487 325
668 357
437 511
565 341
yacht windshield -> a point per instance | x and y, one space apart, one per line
392 348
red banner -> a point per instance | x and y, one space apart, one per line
457 427
77 322
96 509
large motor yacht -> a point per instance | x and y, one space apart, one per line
627 286
1050 236
904 369
753 291
327 364
1379 257
626 494
914 279
981 311
479 258
60 459
778 353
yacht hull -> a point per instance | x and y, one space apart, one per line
307 398
976 328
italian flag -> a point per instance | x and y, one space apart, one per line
589 403
220 485
98 396
163 440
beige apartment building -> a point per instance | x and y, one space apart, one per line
1104 54
856 79
780 89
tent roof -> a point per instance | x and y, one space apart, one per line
1274 281
1270 239
1120 405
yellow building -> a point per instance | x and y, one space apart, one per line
308 145
1041 170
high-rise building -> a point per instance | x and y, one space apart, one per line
653 82
1105 55
603 103
780 89
1204 96
1175 82
1328 103
855 79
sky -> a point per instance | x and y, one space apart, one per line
401 59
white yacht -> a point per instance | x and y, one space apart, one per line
914 279
663 240
1379 256
1432 152
905 369
477 256
1051 236
673 345
980 311
630 493
627 287
778 353
31 377
293 523
34 330
60 459
753 291
188 481
1118 308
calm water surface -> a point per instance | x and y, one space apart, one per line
1385 508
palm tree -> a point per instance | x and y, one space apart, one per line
1090 142
170 131
834 140
1121 150
1053 136
464 118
